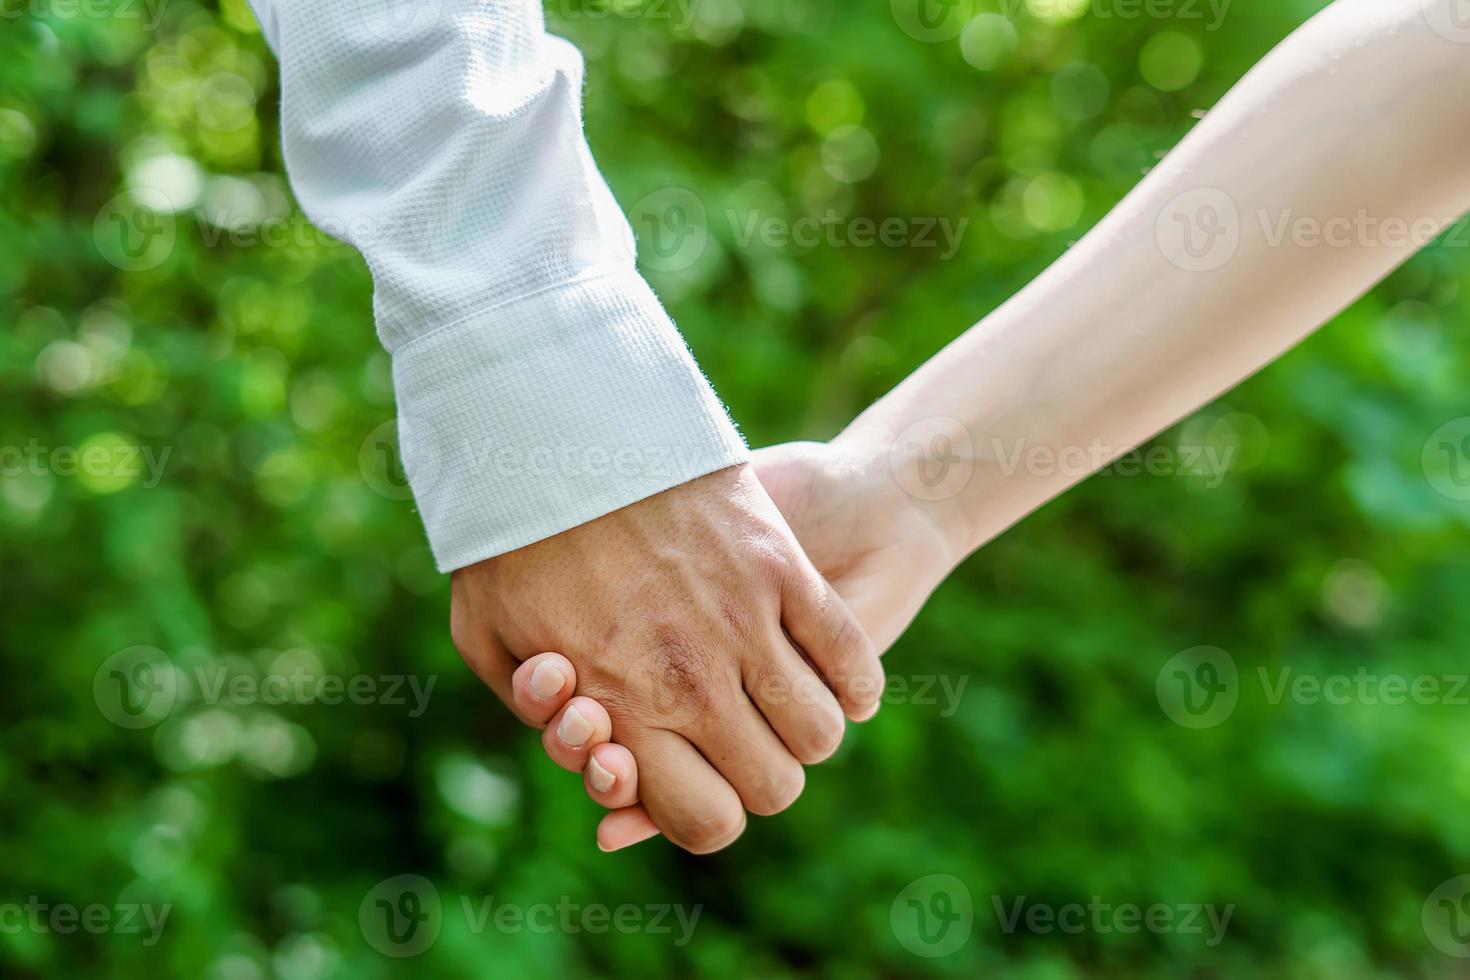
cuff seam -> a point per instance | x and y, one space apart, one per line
601 272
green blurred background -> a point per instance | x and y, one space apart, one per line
275 540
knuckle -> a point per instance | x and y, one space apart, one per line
782 567
823 738
770 688
463 633
779 791
849 642
712 831
854 668
774 555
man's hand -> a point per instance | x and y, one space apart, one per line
671 611
876 544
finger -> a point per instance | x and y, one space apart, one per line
740 744
572 733
798 705
611 776
542 685
484 654
825 630
624 828
687 799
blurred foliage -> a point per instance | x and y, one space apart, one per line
269 543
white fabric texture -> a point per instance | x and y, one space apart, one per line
540 383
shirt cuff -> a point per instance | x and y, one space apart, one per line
543 413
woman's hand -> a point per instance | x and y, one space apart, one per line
868 537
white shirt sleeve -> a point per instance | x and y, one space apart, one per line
540 383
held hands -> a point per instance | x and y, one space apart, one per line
881 553
697 629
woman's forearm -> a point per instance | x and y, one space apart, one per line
1333 161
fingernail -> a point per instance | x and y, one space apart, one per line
574 729
599 777
546 680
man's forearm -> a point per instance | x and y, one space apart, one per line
1328 165
540 383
